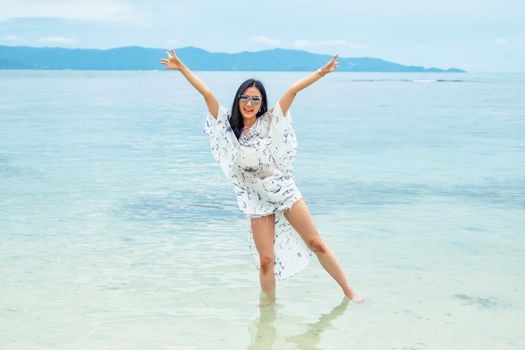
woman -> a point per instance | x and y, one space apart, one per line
255 147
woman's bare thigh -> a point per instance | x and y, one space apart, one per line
301 220
263 230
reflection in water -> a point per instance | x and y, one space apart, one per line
266 335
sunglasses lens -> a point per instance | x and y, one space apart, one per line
243 99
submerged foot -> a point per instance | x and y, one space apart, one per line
354 297
265 300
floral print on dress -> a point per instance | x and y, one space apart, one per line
260 165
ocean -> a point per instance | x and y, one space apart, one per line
119 231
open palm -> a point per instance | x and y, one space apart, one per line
172 62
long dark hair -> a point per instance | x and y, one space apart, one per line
236 120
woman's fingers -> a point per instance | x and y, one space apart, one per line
166 61
334 61
332 64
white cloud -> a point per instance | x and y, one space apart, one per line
10 38
511 43
96 10
56 40
172 42
501 41
324 43
302 43
266 40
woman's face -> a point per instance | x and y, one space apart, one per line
249 107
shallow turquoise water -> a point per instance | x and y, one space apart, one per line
118 230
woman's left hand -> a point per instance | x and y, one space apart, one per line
330 66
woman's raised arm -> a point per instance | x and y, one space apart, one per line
174 63
286 100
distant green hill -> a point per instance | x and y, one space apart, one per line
140 58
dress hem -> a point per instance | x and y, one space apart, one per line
288 207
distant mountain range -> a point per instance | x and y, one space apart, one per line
140 58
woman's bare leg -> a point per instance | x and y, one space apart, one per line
263 230
301 220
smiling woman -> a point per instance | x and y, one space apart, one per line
249 104
255 148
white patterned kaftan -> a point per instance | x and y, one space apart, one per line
260 164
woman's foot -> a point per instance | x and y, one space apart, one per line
353 297
266 300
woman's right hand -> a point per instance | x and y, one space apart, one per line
172 62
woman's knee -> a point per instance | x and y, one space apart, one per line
317 245
267 262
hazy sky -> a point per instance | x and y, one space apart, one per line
476 35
